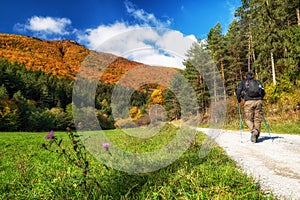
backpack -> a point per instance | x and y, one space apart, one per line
253 88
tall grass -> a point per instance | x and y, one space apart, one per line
29 172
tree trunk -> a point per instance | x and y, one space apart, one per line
215 84
273 69
253 53
223 77
298 16
249 51
223 72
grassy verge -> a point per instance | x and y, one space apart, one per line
29 172
287 127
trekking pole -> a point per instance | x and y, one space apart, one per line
267 126
241 121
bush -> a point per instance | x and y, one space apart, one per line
105 121
125 123
59 118
9 118
41 121
3 93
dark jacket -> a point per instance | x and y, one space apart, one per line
240 91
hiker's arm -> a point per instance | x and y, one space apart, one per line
263 92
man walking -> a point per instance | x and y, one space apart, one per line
252 91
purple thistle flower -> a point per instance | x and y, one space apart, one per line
50 135
106 146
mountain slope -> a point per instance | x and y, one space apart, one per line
65 57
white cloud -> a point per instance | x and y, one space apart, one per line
154 46
140 42
155 57
145 17
175 41
45 26
97 36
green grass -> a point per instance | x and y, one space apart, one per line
288 127
285 127
27 171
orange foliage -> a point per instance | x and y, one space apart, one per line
65 58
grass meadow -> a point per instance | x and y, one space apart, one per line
27 171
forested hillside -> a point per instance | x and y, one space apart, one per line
61 58
37 78
55 57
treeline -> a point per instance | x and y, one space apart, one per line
36 101
263 38
32 100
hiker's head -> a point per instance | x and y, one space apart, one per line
249 75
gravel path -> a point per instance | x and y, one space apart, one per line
275 162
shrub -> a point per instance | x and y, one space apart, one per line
40 120
105 121
59 118
9 118
125 123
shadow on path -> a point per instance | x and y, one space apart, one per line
261 139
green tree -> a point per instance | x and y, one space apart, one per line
216 46
235 56
9 118
40 120
3 93
59 118
171 105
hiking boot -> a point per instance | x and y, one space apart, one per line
258 133
254 136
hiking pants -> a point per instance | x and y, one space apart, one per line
253 114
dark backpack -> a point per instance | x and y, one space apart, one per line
253 88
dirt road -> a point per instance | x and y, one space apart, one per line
274 162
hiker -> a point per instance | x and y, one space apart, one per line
252 91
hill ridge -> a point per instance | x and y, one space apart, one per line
62 57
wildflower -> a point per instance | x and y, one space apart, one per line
50 135
106 146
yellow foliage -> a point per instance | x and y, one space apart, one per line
135 113
157 97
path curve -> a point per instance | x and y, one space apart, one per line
275 162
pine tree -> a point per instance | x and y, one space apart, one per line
236 61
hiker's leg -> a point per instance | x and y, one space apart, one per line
249 114
258 115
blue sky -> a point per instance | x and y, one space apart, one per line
92 22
